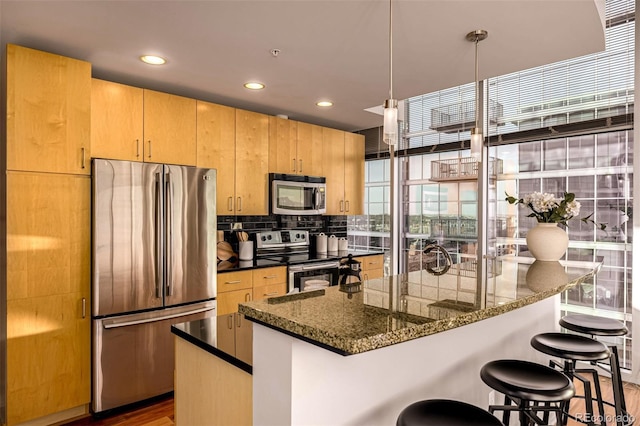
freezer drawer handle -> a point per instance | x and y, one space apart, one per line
116 323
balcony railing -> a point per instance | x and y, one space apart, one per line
462 116
460 169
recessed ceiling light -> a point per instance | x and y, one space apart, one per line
324 103
253 85
153 60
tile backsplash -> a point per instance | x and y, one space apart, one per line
330 225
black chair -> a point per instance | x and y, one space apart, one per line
596 327
526 385
445 412
573 348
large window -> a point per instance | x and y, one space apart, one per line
560 127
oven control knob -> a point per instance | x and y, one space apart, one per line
268 237
263 238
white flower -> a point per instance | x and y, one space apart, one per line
573 208
541 202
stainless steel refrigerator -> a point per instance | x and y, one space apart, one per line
154 264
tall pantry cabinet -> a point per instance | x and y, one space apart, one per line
48 231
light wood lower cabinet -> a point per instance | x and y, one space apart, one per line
371 266
235 336
48 288
210 390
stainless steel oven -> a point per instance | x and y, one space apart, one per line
305 270
306 276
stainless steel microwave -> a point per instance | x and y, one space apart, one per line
297 194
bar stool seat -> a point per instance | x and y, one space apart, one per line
528 384
572 348
593 325
445 412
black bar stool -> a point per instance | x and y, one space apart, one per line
445 412
572 348
599 326
527 384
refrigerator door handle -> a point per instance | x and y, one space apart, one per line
114 323
157 235
168 233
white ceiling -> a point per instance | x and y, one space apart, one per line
330 49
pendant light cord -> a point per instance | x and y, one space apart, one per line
390 50
477 88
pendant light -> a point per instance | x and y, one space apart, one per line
390 124
477 139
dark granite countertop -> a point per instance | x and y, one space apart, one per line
384 312
202 333
240 265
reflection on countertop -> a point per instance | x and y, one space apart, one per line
392 310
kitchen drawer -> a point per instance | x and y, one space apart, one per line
268 276
266 291
372 262
228 301
231 281
372 274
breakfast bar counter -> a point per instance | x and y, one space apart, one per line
359 354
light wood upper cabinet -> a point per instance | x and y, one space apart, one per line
116 121
343 164
354 173
252 164
48 285
333 166
294 147
216 142
48 112
309 149
169 128
129 123
236 143
283 134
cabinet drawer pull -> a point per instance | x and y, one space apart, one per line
137 148
233 282
269 277
275 293
84 307
84 157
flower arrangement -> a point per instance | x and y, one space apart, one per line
547 208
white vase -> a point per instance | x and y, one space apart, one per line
547 242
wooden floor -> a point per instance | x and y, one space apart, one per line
160 413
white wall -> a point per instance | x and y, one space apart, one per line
299 383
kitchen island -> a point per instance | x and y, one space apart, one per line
359 354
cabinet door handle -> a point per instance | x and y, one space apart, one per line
233 282
84 157
84 307
294 165
275 293
247 297
341 205
149 148
300 166
230 204
239 324
137 148
269 277
230 322
347 205
239 204
366 277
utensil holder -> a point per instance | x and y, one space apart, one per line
245 250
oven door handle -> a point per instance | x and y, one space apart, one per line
314 267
